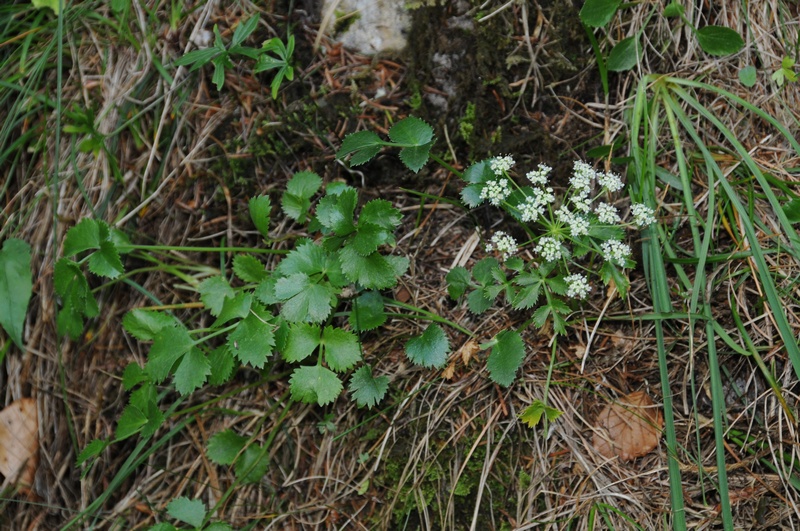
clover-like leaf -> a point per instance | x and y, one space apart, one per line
302 341
429 349
335 212
192 371
296 200
304 300
315 383
366 389
342 349
457 281
374 271
253 340
533 414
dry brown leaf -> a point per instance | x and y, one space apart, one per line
467 351
19 441
629 428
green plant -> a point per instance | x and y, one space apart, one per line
626 54
220 55
15 288
785 72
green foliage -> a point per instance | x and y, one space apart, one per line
413 136
221 55
191 512
785 72
15 287
366 389
748 76
429 349
506 356
532 415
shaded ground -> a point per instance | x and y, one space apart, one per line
446 449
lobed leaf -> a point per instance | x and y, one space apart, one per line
458 280
315 383
82 237
506 357
302 340
336 212
249 268
342 349
253 340
221 363
192 371
374 271
363 145
368 312
296 200
213 293
169 344
366 389
429 349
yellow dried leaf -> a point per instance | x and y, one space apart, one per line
467 351
19 441
629 428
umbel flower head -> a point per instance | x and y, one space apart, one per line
503 243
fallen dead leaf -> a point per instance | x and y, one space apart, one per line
467 351
629 428
19 442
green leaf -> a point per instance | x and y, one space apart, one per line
93 449
145 324
335 212
374 271
219 62
624 55
478 303
307 258
237 307
218 526
169 344
105 262
253 340
248 268
197 58
243 30
131 422
366 389
260 207
362 145
252 465
315 383
611 274
506 357
133 375
381 213
368 312
192 371
82 237
302 341
296 201
77 299
457 281
429 349
213 292
417 136
598 13
342 349
163 526
792 210
718 40
415 157
145 400
748 76
304 301
673 9
369 237
221 363
532 414
43 4
191 512
16 284
484 270
224 446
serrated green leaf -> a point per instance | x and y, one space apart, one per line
304 301
457 281
366 389
506 357
479 173
191 512
411 131
265 291
624 55
145 324
429 349
169 344
16 284
477 302
296 201
192 371
307 258
221 362
260 207
82 237
224 446
381 213
335 212
532 414
362 145
369 237
342 349
415 157
248 268
105 262
484 270
598 13
302 340
133 375
368 312
213 292
253 340
252 465
611 274
315 383
237 307
145 400
77 299
719 40
374 271
93 449
130 422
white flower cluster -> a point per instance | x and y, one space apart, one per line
607 213
615 251
503 243
548 248
500 165
610 181
578 224
540 175
496 191
535 204
577 286
643 215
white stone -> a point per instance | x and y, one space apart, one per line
380 26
